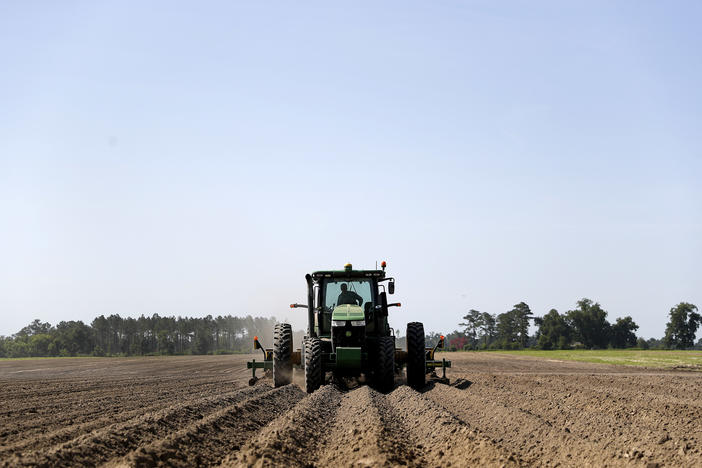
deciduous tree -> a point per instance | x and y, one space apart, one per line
680 330
589 323
623 333
554 331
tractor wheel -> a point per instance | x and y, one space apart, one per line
282 352
313 364
416 356
385 372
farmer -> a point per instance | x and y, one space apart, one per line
348 297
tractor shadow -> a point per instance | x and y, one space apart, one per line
460 384
347 384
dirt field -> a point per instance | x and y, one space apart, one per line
187 411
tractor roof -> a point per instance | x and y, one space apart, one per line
379 274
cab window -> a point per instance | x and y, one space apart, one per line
347 292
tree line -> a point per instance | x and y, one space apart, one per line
584 327
118 336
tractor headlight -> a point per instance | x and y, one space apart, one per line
354 323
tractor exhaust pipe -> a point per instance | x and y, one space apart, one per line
310 306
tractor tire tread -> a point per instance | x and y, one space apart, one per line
313 364
416 355
282 354
385 372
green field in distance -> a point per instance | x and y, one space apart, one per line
626 357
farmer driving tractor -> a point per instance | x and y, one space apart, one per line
348 297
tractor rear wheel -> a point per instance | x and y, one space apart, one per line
282 353
385 372
313 364
416 356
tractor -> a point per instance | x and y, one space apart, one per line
348 335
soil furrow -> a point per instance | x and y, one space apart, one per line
546 430
40 416
207 441
514 428
365 433
366 428
444 439
331 428
296 437
116 440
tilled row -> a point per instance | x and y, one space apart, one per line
579 420
88 410
366 428
209 440
119 439
445 439
296 437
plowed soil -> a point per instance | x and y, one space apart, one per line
199 411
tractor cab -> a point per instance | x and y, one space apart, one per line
349 306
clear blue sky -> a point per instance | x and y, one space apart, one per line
194 158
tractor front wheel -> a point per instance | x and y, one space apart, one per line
282 354
416 356
385 372
313 364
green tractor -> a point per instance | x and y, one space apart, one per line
348 335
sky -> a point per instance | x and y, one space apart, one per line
195 158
